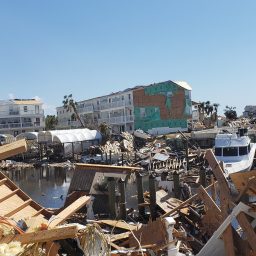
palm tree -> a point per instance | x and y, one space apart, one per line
50 122
70 105
230 113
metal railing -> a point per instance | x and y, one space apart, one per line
116 104
20 113
20 125
117 119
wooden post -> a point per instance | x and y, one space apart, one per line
202 175
110 156
140 194
176 184
122 155
152 192
73 153
106 158
122 204
187 158
112 197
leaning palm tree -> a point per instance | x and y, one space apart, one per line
70 105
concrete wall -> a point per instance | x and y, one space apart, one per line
162 108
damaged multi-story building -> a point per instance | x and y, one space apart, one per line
157 108
21 115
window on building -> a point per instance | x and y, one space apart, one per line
129 96
37 109
25 108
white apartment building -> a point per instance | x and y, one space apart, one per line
21 115
157 108
115 109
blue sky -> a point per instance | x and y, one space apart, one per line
90 48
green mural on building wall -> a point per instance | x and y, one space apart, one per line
159 113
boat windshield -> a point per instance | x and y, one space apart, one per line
243 151
231 151
218 152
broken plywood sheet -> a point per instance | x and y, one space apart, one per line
240 179
167 203
154 233
12 149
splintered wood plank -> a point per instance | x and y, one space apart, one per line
12 149
121 236
212 218
211 205
119 224
184 203
43 236
68 211
222 182
160 196
247 228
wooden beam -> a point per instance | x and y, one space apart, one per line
12 149
43 236
9 195
107 168
23 205
3 181
67 212
222 182
248 229
192 198
118 224
228 241
212 206
121 236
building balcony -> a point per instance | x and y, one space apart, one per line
20 125
20 113
118 104
117 120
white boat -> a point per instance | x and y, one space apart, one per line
235 150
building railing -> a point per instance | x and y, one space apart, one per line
116 104
20 113
117 120
20 125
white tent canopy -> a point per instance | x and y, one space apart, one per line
27 135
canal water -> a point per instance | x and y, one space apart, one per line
46 185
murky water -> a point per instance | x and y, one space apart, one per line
48 186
